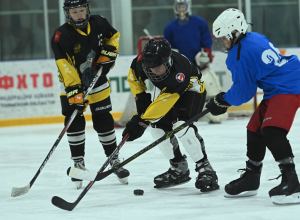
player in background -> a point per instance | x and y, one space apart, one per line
71 43
182 97
255 62
189 35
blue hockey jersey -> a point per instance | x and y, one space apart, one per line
256 62
189 37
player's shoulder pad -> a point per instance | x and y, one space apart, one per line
62 33
98 18
139 57
136 61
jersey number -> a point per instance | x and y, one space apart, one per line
268 56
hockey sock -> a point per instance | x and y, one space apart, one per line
104 125
277 142
255 163
177 153
256 146
76 135
287 160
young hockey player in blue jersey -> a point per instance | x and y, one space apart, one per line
255 62
189 35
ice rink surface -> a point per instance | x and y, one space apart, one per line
23 149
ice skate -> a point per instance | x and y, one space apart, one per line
288 191
177 174
247 184
207 179
78 163
121 173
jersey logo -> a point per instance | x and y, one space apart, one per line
57 36
180 77
77 48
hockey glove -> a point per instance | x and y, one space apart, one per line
142 101
135 127
88 70
88 75
107 58
217 105
203 58
75 97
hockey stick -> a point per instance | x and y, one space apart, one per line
147 33
80 173
23 190
61 203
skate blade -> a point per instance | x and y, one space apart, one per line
164 187
78 184
286 200
242 194
123 180
209 188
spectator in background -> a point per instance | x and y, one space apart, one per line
189 35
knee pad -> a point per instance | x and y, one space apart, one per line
166 147
277 142
190 142
103 122
78 123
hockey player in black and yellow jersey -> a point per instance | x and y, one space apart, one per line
71 44
182 96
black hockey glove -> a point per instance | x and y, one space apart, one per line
135 127
142 101
107 58
88 70
75 97
88 75
217 105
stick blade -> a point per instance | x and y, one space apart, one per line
62 204
19 191
80 174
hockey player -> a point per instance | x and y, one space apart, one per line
255 62
71 44
190 36
182 96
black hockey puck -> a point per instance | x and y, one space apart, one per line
138 192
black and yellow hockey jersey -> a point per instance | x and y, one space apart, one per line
184 76
71 47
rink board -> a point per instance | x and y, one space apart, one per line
29 91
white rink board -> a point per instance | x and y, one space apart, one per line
28 88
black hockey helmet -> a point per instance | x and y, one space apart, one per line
68 4
155 54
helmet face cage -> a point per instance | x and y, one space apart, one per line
157 78
182 14
224 27
155 54
69 4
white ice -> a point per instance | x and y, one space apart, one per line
23 149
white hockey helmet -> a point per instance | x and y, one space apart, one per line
226 24
182 4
